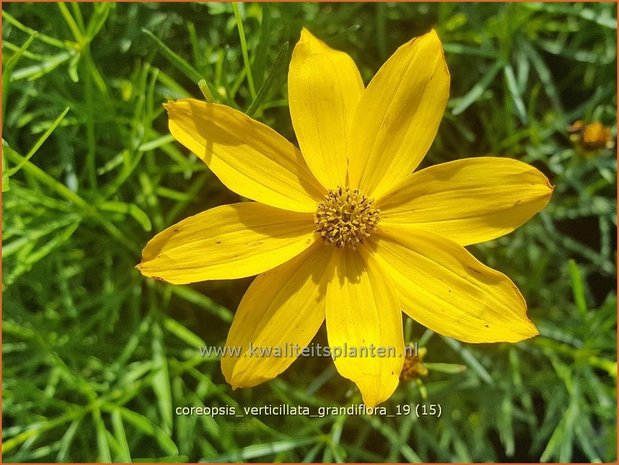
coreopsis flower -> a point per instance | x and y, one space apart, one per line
342 230
413 367
592 137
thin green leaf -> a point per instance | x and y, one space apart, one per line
179 62
273 81
148 428
37 145
244 51
477 90
259 450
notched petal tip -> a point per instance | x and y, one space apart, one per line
307 36
231 383
174 105
528 329
431 39
241 378
377 395
183 106
431 35
545 182
152 273
542 177
234 385
369 404
524 337
310 42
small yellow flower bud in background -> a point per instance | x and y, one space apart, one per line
413 366
591 137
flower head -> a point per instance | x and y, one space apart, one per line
591 137
342 230
413 365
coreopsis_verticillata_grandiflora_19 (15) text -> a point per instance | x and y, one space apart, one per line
342 229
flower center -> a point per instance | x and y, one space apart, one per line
346 217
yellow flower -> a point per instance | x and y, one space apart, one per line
591 137
413 366
340 230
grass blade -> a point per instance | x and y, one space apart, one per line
273 81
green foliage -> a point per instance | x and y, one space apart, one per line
97 358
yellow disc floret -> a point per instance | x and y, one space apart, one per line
346 218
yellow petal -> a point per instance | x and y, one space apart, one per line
227 242
443 287
324 88
248 157
278 316
398 115
362 312
468 201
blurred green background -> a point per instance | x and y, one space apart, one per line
96 357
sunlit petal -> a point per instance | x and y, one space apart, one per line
279 315
248 157
398 115
324 88
468 201
443 287
363 312
226 242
